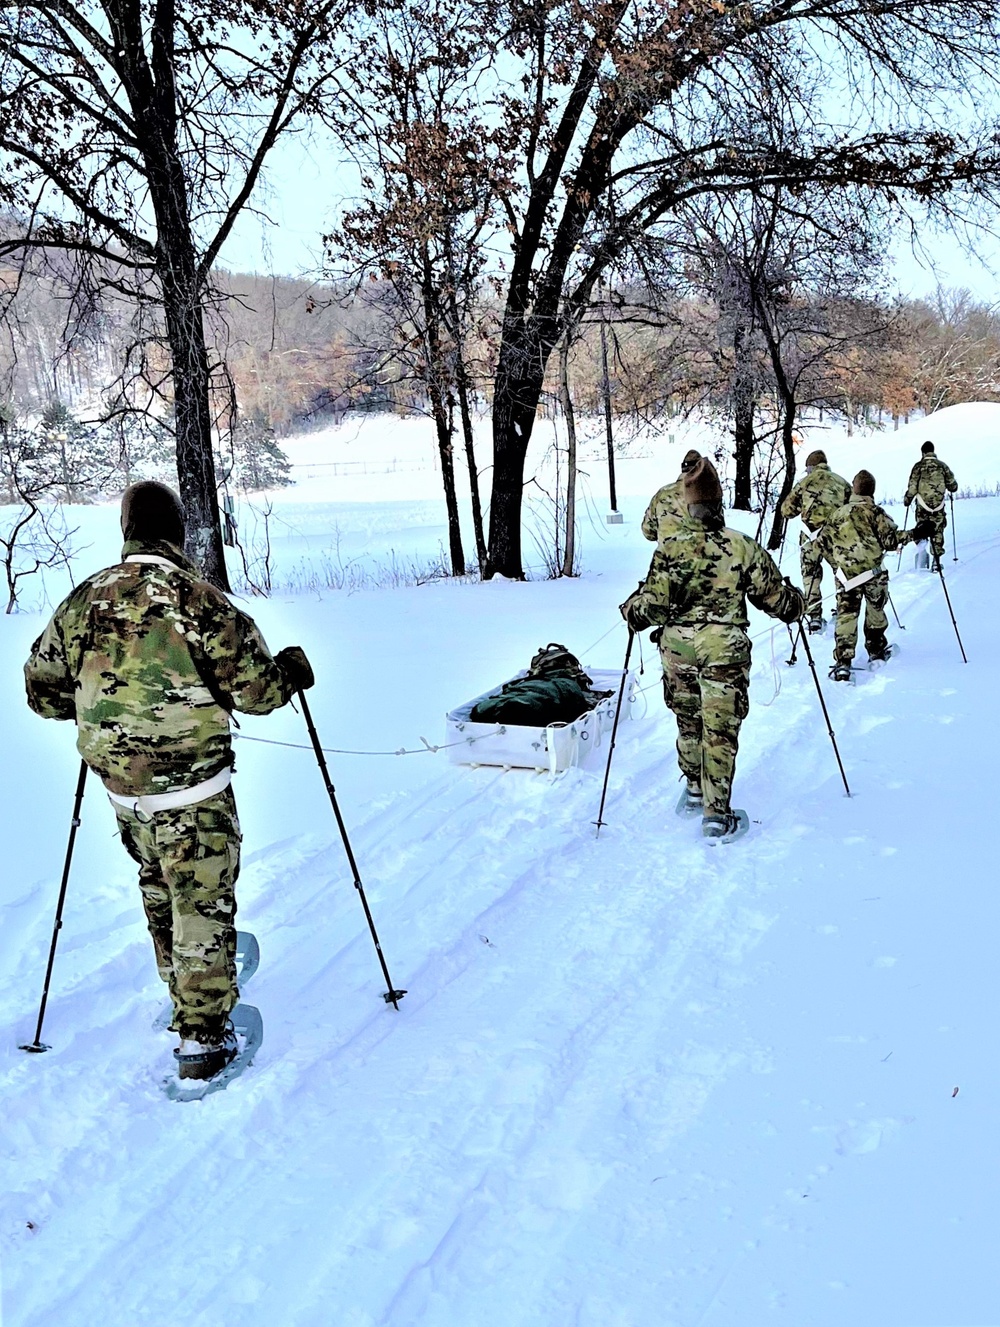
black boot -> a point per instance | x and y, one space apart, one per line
205 1059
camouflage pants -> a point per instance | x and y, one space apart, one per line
874 594
940 522
706 674
812 575
189 859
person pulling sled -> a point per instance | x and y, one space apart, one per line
150 660
695 594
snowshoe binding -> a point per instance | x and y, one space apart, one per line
201 1060
815 625
202 1070
881 658
841 672
725 828
691 802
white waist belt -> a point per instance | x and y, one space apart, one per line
926 505
150 803
153 560
855 581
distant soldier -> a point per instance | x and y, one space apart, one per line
815 497
930 478
669 500
699 581
149 660
854 541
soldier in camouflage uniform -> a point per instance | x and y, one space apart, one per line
669 500
149 660
854 540
815 497
930 479
699 581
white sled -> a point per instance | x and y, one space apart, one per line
554 748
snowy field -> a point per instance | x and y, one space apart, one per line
637 1081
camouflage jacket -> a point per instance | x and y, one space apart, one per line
855 537
666 501
816 497
699 577
149 660
929 479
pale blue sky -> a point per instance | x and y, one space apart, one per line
308 182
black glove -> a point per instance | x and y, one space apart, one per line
634 610
296 667
921 531
795 606
907 501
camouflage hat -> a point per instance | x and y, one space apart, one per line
815 458
864 484
926 448
702 483
691 459
151 512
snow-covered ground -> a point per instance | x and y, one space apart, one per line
637 1081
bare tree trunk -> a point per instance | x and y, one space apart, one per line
569 557
443 426
743 412
195 462
788 479
462 383
517 391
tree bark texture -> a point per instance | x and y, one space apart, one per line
743 413
569 556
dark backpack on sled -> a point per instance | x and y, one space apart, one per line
555 690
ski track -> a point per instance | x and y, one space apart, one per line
490 1116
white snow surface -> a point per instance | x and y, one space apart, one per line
637 1081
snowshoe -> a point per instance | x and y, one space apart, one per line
247 1032
841 673
815 625
247 963
725 828
691 802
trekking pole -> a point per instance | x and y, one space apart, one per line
392 995
37 1046
899 560
793 658
826 712
952 612
893 607
954 546
614 732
